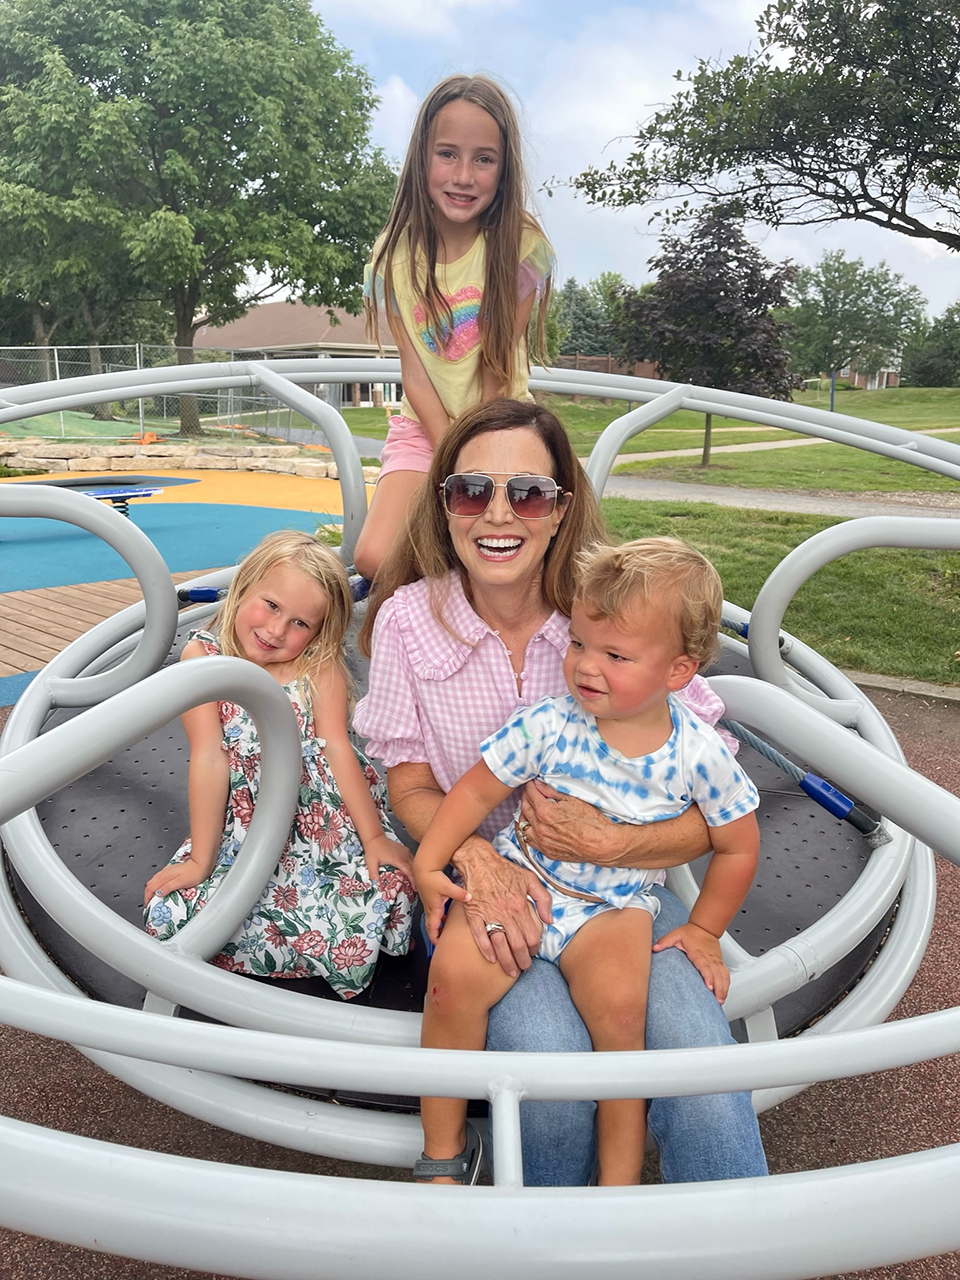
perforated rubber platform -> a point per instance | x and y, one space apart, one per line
122 822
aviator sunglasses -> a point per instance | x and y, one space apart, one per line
530 497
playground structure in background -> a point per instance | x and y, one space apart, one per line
262 1223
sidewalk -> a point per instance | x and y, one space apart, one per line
913 504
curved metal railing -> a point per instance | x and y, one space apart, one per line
758 1228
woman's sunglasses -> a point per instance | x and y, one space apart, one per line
530 497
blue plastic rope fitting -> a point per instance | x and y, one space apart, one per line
833 801
200 595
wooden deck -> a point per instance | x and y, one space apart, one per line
36 625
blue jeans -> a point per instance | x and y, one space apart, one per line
701 1138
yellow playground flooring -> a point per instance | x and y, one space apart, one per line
236 489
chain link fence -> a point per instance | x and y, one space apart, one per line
225 414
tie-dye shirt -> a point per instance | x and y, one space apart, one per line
451 359
558 742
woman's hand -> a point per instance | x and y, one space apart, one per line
500 893
703 951
178 875
382 852
571 830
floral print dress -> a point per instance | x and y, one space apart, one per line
319 913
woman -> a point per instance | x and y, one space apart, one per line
468 621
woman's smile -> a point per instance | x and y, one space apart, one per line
497 547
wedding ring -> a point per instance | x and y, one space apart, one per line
494 927
523 826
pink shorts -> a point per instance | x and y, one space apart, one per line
406 448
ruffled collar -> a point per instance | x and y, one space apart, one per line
436 651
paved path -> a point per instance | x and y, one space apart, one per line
749 447
916 504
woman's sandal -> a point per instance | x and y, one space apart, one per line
464 1168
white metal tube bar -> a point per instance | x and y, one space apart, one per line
800 564
267 1115
265 1224
146 563
604 452
505 1098
309 1063
341 441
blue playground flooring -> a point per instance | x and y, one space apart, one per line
49 553
189 535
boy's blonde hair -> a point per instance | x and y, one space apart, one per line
324 567
661 572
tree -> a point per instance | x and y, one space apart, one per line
222 145
932 359
845 313
580 320
708 318
848 109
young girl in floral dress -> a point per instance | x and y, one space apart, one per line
342 890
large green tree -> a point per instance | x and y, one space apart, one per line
708 319
220 147
932 357
847 314
848 109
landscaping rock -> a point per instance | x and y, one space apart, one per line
311 470
23 462
58 451
90 464
130 463
225 450
202 463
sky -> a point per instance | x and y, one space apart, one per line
584 76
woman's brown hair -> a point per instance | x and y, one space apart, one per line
503 221
424 549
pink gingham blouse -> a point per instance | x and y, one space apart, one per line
437 691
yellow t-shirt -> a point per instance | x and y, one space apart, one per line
451 359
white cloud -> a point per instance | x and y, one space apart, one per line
425 19
394 117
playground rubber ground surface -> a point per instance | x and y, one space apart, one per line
213 522
836 1123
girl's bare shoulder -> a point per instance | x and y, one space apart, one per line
194 649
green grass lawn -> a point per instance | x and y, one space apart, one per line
913 408
80 426
824 466
888 611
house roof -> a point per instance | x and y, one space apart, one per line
275 325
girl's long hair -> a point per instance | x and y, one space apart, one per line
319 563
424 549
503 221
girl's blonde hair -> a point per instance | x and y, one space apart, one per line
424 549
663 573
319 563
503 221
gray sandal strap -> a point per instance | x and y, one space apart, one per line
463 1167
